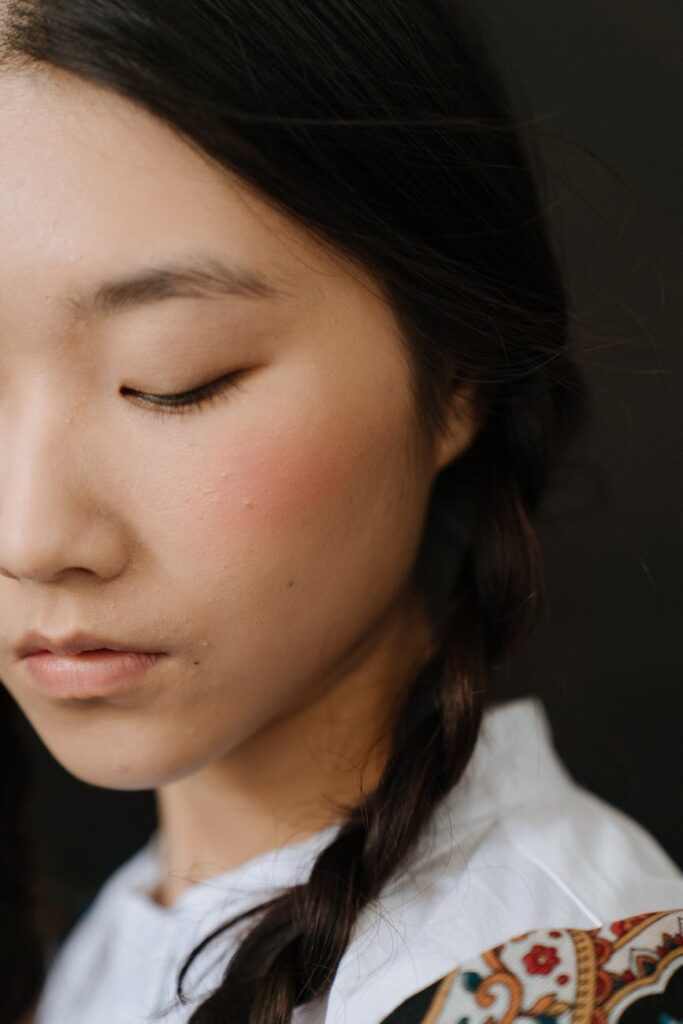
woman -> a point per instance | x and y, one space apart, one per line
285 372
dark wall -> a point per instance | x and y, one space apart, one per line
605 658
606 75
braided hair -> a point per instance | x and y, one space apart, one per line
384 129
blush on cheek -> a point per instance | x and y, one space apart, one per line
285 482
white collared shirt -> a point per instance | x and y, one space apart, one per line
515 846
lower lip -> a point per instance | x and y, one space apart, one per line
89 674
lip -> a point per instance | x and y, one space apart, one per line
75 643
93 673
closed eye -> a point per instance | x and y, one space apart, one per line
188 401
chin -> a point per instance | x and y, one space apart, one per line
106 776
125 772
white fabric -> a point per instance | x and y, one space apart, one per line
516 846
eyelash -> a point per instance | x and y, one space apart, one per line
188 401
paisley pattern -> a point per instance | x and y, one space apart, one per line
626 972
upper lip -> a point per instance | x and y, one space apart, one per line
34 642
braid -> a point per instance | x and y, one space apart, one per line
21 957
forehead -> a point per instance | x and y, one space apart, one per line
93 183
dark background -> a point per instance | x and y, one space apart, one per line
601 74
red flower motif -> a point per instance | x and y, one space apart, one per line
541 959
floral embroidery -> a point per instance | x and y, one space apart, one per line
541 960
625 972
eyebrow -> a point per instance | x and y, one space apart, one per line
190 277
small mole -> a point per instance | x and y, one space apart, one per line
291 583
195 662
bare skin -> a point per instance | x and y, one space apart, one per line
265 542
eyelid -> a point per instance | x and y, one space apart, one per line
189 395
188 400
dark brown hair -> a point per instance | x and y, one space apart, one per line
381 126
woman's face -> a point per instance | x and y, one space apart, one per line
255 540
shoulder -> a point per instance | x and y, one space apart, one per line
569 858
535 821
553 856
600 858
564 974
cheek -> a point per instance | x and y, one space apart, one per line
280 483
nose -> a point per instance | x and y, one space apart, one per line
54 511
